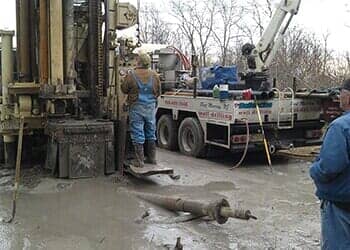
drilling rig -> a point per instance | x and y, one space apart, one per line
64 81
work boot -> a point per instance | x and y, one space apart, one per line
139 156
151 152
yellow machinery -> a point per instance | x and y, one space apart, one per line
65 83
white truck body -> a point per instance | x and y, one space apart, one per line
225 117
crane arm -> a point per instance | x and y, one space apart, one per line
261 55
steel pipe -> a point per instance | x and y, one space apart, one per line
56 42
43 43
315 95
94 49
23 40
232 93
69 45
6 63
219 210
7 77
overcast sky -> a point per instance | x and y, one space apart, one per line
319 16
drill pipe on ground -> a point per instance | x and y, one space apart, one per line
219 210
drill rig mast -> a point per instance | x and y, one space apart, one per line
67 84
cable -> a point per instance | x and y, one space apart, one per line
18 170
138 35
246 145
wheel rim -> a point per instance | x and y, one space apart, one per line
164 134
188 140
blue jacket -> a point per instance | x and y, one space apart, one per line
331 170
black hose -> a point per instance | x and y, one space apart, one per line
246 146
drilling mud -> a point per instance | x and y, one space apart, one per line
103 213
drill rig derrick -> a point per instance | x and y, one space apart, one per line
67 80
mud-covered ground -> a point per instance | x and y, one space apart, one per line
104 213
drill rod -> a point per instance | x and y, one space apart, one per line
219 210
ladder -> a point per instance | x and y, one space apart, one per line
286 94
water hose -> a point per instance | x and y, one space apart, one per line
18 170
246 145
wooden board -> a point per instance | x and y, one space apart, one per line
147 170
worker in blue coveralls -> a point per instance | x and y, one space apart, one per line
331 174
142 85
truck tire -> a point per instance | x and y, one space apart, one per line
167 132
191 138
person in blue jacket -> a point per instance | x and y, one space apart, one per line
331 175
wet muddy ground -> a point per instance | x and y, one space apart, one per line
104 213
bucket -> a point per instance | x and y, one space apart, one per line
224 91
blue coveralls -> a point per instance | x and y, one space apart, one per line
142 113
331 174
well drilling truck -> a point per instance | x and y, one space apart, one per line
192 119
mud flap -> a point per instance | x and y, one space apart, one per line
147 170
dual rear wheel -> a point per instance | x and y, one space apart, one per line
188 137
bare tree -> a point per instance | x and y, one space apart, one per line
182 12
304 56
235 54
343 66
153 27
196 20
203 15
327 56
347 9
255 18
179 40
261 13
229 14
193 30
